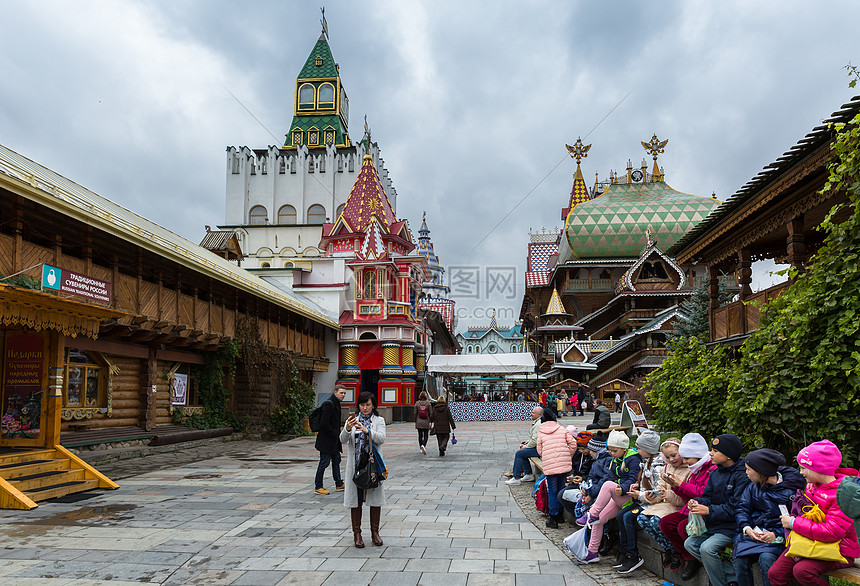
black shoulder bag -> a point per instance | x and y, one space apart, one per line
366 472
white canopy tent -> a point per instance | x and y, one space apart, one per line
463 364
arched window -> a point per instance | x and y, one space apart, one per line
316 214
306 96
340 210
367 336
326 96
265 265
258 216
287 215
370 285
513 347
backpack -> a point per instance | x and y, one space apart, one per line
315 417
542 498
423 412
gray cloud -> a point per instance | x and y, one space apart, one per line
471 102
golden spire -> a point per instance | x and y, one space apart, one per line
555 306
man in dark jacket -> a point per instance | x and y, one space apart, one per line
602 418
717 506
328 440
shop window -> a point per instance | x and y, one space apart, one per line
85 379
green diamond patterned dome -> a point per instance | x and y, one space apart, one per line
615 224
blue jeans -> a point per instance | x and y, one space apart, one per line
743 568
554 482
627 527
521 461
706 548
325 460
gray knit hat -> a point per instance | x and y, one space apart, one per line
649 441
596 443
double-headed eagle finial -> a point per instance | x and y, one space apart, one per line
655 146
578 151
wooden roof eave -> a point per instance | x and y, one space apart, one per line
45 311
58 199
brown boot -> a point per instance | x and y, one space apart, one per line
375 512
356 526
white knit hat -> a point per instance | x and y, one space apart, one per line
618 439
693 445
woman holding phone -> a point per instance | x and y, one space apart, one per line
354 436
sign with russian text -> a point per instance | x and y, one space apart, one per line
66 281
23 362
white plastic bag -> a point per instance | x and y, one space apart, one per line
572 495
577 543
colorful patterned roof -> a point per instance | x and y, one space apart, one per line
555 306
615 223
367 198
322 122
537 278
579 191
328 68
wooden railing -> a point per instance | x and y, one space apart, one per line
742 317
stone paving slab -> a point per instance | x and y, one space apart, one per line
245 513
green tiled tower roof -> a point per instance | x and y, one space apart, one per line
615 224
328 68
313 118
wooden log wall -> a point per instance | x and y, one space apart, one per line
125 395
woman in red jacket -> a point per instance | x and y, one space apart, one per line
819 463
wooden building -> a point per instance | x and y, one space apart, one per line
774 216
168 303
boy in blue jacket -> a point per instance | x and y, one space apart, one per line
717 506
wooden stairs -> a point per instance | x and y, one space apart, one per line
29 476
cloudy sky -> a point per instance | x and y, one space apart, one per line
471 102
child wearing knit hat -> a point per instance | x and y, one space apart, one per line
693 450
819 464
762 538
615 495
717 506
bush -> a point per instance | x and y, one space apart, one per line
689 390
296 402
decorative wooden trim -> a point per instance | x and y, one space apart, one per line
43 311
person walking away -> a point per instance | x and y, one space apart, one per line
580 401
717 506
327 441
617 403
648 446
528 449
443 423
663 501
761 537
422 421
694 451
556 448
819 464
355 435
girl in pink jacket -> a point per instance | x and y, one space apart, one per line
556 448
819 463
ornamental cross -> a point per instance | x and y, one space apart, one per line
324 23
655 146
578 151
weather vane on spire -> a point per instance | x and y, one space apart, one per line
655 146
578 151
323 22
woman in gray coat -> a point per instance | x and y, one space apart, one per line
354 438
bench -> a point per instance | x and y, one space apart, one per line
851 574
537 465
612 428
